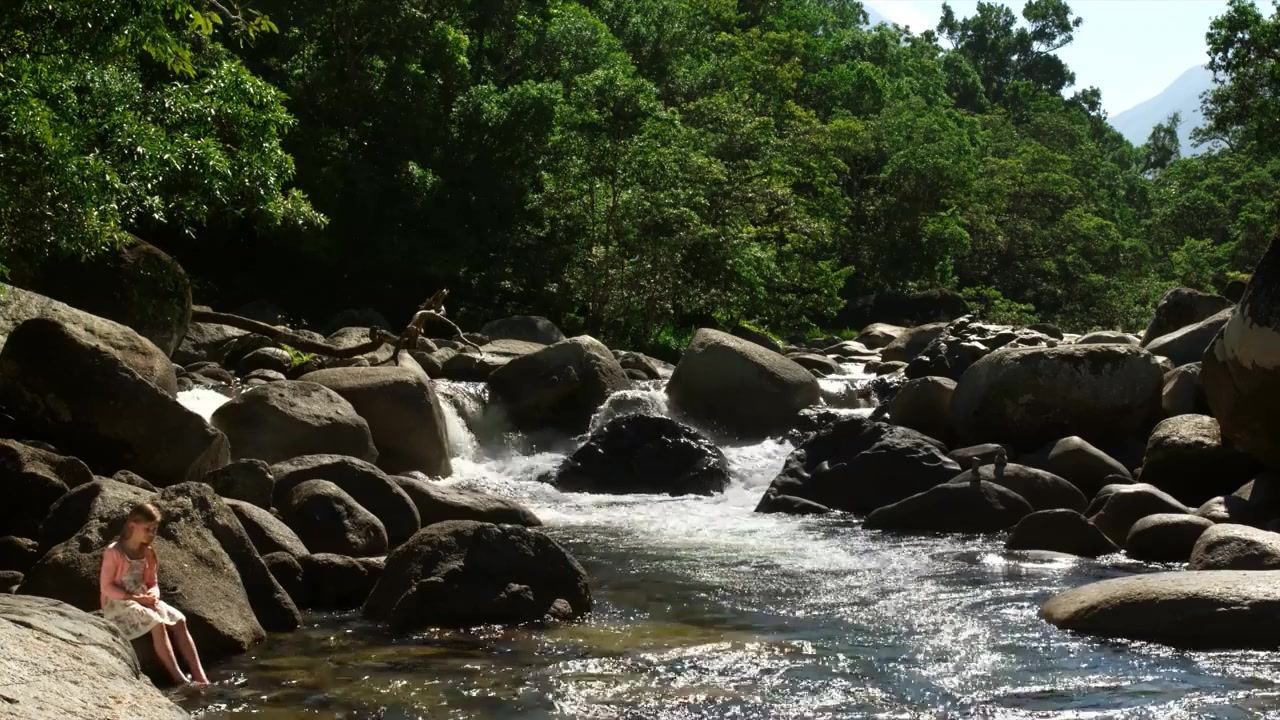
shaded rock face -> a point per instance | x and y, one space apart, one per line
337 582
268 533
858 465
1202 610
1241 370
738 387
1165 537
645 454
1187 458
906 309
44 642
922 405
439 503
819 365
964 342
18 554
560 387
957 507
136 352
1042 490
1105 337
288 419
70 389
102 499
32 480
530 328
1064 531
372 489
1189 344
1262 495
1182 394
463 574
403 412
1078 462
1124 505
327 519
1236 547
756 337
250 481
878 335
1028 397
1181 307
911 342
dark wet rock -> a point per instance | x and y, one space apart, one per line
645 454
403 413
371 488
1204 610
738 387
463 574
1236 547
530 328
328 520
248 480
812 421
1181 307
858 465
911 342
32 480
61 662
1064 531
437 502
268 533
1165 537
957 507
1262 494
1187 458
9 581
288 419
337 582
1030 396
1182 394
1079 462
18 553
1123 506
559 387
69 389
1188 345
1043 490
922 405
757 337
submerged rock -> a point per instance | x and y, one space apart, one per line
1222 609
957 507
1064 531
645 454
464 574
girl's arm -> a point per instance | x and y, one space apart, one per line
152 575
107 577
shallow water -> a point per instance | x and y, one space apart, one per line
708 610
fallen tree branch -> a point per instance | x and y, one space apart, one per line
377 336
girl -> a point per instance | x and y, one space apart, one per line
131 595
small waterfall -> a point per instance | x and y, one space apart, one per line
202 401
462 442
850 390
639 401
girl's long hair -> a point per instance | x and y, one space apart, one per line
143 512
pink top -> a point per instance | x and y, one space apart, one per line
114 566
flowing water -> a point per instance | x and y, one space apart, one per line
705 609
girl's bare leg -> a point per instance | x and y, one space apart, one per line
187 647
164 651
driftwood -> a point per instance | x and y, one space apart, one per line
433 308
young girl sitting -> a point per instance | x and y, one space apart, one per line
131 595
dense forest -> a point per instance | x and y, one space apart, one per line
627 167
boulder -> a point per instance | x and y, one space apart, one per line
268 533
985 453
134 479
875 367
1182 394
1227 509
957 507
1165 537
738 387
101 499
858 465
288 573
403 412
275 359
963 342
559 387
652 368
902 308
1179 308
288 419
819 365
1080 463
205 342
1262 494
17 553
878 335
529 328
1241 369
337 582
1030 396
1122 506
922 405
1204 610
645 454
68 388
471 367
755 336
328 520
61 663
1043 490
911 342
1236 547
437 502
1105 337
1187 459
372 489
850 350
250 481
464 573
1189 344
1064 531
33 480
1048 329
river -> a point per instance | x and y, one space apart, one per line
705 609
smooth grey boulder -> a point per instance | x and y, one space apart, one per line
1236 547
1120 507
284 420
1187 458
1165 537
1064 531
438 502
1179 308
1188 344
1079 462
558 387
954 507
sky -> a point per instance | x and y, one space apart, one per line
1130 49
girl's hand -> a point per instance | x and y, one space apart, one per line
144 600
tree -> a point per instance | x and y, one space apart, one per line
1244 54
1163 146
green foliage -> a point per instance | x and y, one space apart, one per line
991 306
296 357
